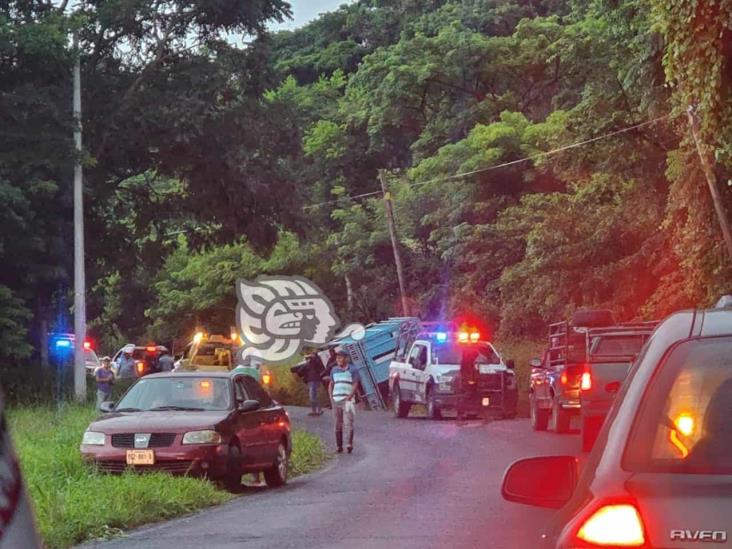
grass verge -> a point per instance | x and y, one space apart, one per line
73 503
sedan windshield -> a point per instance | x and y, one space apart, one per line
178 393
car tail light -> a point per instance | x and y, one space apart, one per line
564 378
140 367
151 349
586 380
614 525
266 379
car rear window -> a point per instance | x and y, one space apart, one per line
625 345
685 422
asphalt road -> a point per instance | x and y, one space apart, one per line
410 483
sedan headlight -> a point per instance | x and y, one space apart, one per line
93 438
202 437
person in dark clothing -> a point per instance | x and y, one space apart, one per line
313 370
468 380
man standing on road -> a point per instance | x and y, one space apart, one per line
126 366
313 370
104 378
165 362
344 384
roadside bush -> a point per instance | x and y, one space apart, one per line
521 351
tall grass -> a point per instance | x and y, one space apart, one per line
521 351
74 503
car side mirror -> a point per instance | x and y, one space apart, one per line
547 481
249 406
535 363
107 407
510 364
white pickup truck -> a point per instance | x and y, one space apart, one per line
430 374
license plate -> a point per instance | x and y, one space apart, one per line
140 457
486 401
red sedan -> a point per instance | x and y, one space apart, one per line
213 424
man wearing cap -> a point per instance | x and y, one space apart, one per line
126 366
104 378
344 383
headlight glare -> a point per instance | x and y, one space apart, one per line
202 437
93 438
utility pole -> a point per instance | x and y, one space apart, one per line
711 180
79 275
394 244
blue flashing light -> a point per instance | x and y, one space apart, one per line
441 337
63 343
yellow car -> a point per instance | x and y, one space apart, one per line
209 353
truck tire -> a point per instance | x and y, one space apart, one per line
590 430
560 419
539 417
433 410
401 409
593 318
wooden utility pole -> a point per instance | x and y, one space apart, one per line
708 170
394 243
79 274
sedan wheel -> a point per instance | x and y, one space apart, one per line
277 474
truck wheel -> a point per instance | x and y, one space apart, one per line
590 430
560 418
433 410
401 409
539 418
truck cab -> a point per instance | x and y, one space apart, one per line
430 374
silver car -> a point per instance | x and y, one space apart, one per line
660 474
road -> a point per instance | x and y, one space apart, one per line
410 483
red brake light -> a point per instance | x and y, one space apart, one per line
617 525
564 378
586 382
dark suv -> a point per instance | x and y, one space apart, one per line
660 474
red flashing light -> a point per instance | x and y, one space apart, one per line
614 525
87 345
586 380
151 348
474 336
463 337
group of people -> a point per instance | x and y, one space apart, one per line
342 383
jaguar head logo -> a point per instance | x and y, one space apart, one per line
278 315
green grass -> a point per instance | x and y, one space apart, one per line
74 503
521 351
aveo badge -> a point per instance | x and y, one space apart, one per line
278 315
712 536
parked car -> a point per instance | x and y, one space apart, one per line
209 353
214 424
661 470
610 353
554 384
430 375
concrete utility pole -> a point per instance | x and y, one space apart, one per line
79 275
708 170
394 243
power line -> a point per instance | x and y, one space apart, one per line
505 164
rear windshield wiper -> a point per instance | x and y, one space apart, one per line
128 410
179 408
